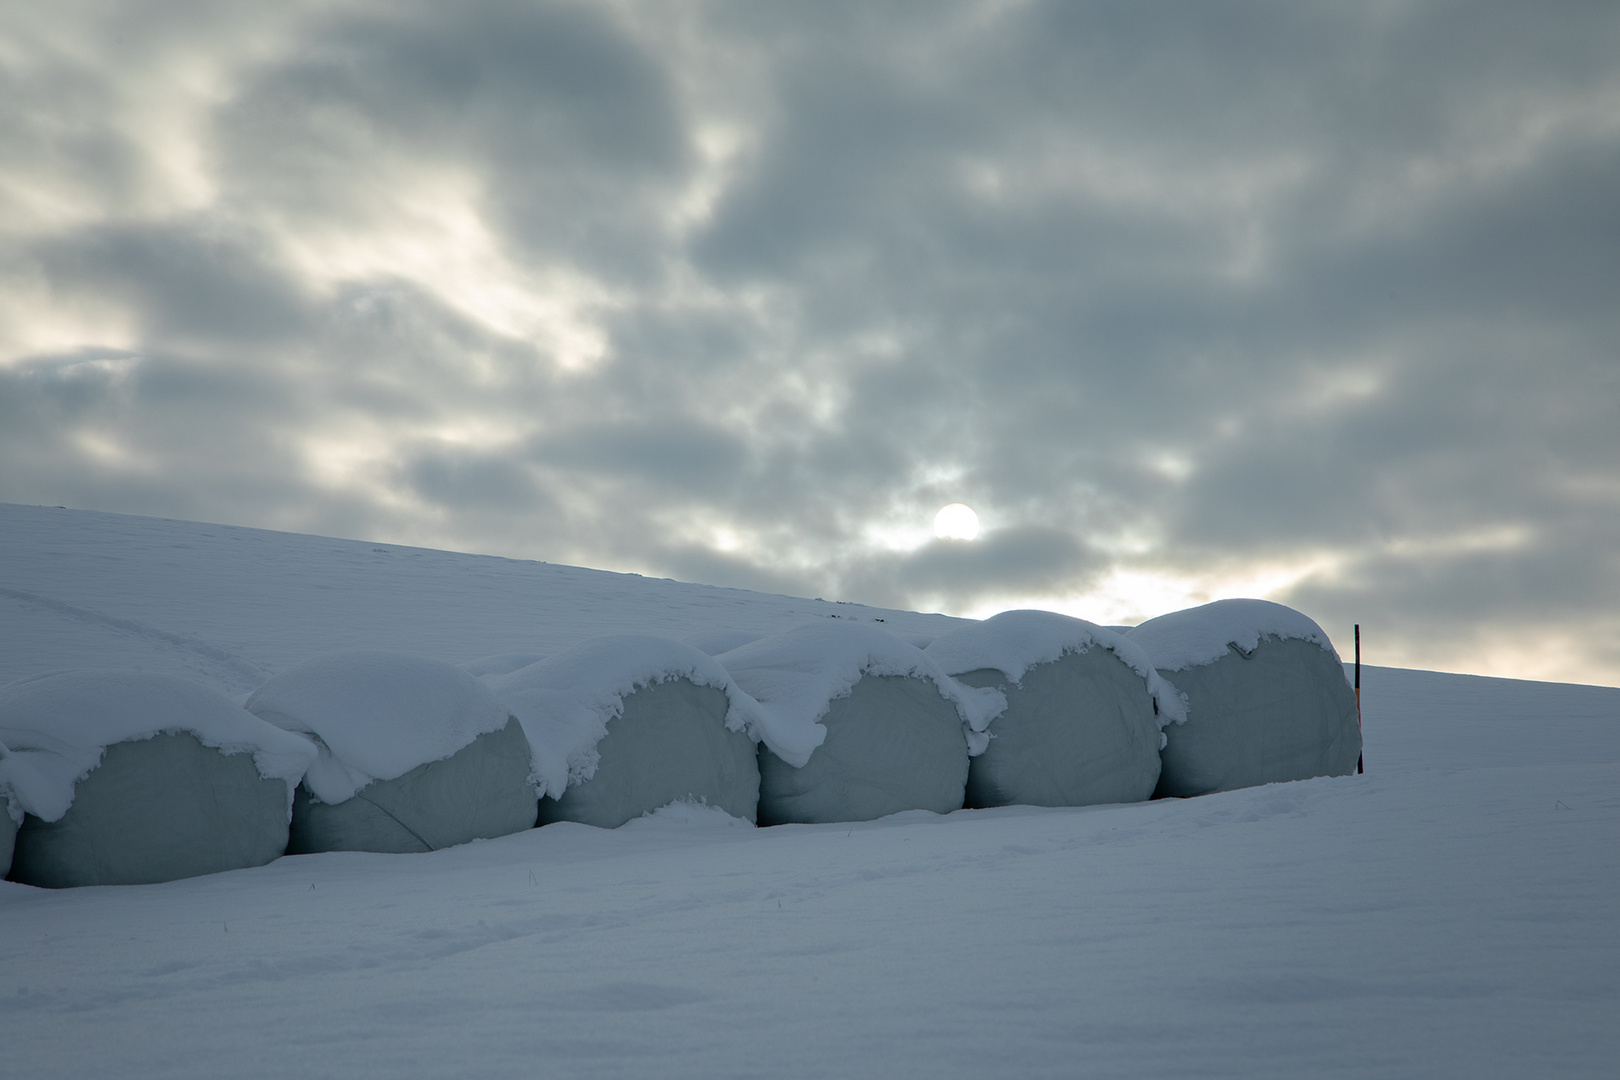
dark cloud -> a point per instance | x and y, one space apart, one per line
462 481
143 434
1021 561
683 453
182 279
569 130
1315 300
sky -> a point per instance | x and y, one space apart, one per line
1312 301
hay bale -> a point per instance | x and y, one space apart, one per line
627 724
412 754
130 778
1083 717
859 724
1267 699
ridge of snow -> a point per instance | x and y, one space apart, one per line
684 814
796 675
1197 636
1015 641
499 664
715 642
374 715
56 727
564 702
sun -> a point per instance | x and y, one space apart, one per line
956 522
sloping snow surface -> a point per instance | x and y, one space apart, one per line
1455 912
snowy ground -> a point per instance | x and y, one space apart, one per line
1454 912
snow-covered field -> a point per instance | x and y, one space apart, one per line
1453 912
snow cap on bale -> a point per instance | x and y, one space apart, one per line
11 807
56 728
797 674
1015 641
1200 635
11 775
376 715
564 702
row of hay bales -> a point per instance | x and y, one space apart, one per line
124 777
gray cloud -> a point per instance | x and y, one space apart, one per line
1019 561
684 453
569 130
464 482
1314 301
180 281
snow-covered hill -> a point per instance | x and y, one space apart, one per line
1453 912
229 607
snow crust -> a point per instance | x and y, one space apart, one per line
684 814
656 937
1200 635
796 675
499 664
375 715
1015 641
564 702
715 642
847 946
56 727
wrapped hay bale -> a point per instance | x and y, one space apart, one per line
627 724
130 778
1084 710
1267 699
411 754
857 724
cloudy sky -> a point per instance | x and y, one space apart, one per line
1314 301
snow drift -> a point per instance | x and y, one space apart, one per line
129 778
626 724
859 724
411 754
1084 709
1267 699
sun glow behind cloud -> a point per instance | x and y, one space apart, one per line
748 299
956 521
1129 595
432 235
